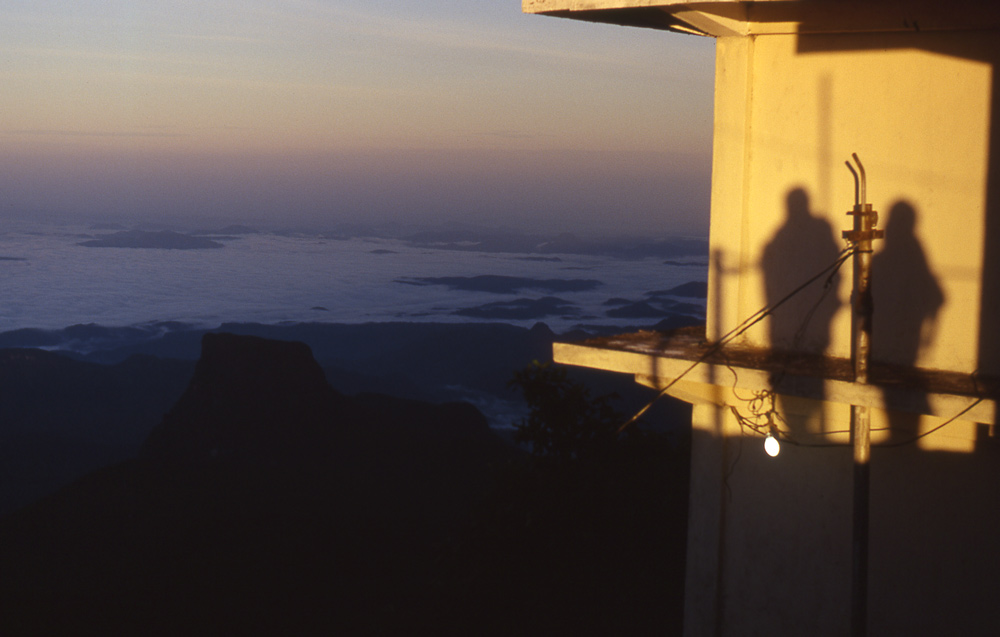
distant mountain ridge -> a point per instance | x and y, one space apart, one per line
161 239
61 418
258 401
62 414
481 240
261 483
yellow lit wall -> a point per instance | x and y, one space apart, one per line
916 108
769 539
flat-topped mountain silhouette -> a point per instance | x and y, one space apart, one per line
264 501
251 400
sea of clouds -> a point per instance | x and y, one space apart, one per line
58 276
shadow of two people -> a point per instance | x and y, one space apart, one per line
906 293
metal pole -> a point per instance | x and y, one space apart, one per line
860 429
861 236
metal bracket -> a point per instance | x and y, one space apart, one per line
865 218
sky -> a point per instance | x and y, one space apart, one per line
320 112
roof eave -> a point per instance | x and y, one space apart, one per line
721 18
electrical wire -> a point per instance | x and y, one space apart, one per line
886 445
755 404
882 445
747 323
930 431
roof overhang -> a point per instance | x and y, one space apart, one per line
720 18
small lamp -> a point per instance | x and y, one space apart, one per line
771 446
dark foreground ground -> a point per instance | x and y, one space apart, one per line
265 501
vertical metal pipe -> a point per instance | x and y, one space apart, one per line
861 329
861 325
860 433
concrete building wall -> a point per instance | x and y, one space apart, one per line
769 539
768 543
917 109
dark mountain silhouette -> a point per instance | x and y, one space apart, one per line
163 240
686 264
675 322
521 309
639 309
498 284
67 417
437 362
694 289
430 362
265 403
250 400
267 502
80 339
661 304
61 418
465 238
236 229
616 301
264 501
414 360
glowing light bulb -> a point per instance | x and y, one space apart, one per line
771 445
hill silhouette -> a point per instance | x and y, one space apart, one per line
160 240
61 418
62 415
265 501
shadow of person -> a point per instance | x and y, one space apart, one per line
801 248
907 300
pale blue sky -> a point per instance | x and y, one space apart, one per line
439 109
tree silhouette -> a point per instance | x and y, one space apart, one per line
587 536
566 421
